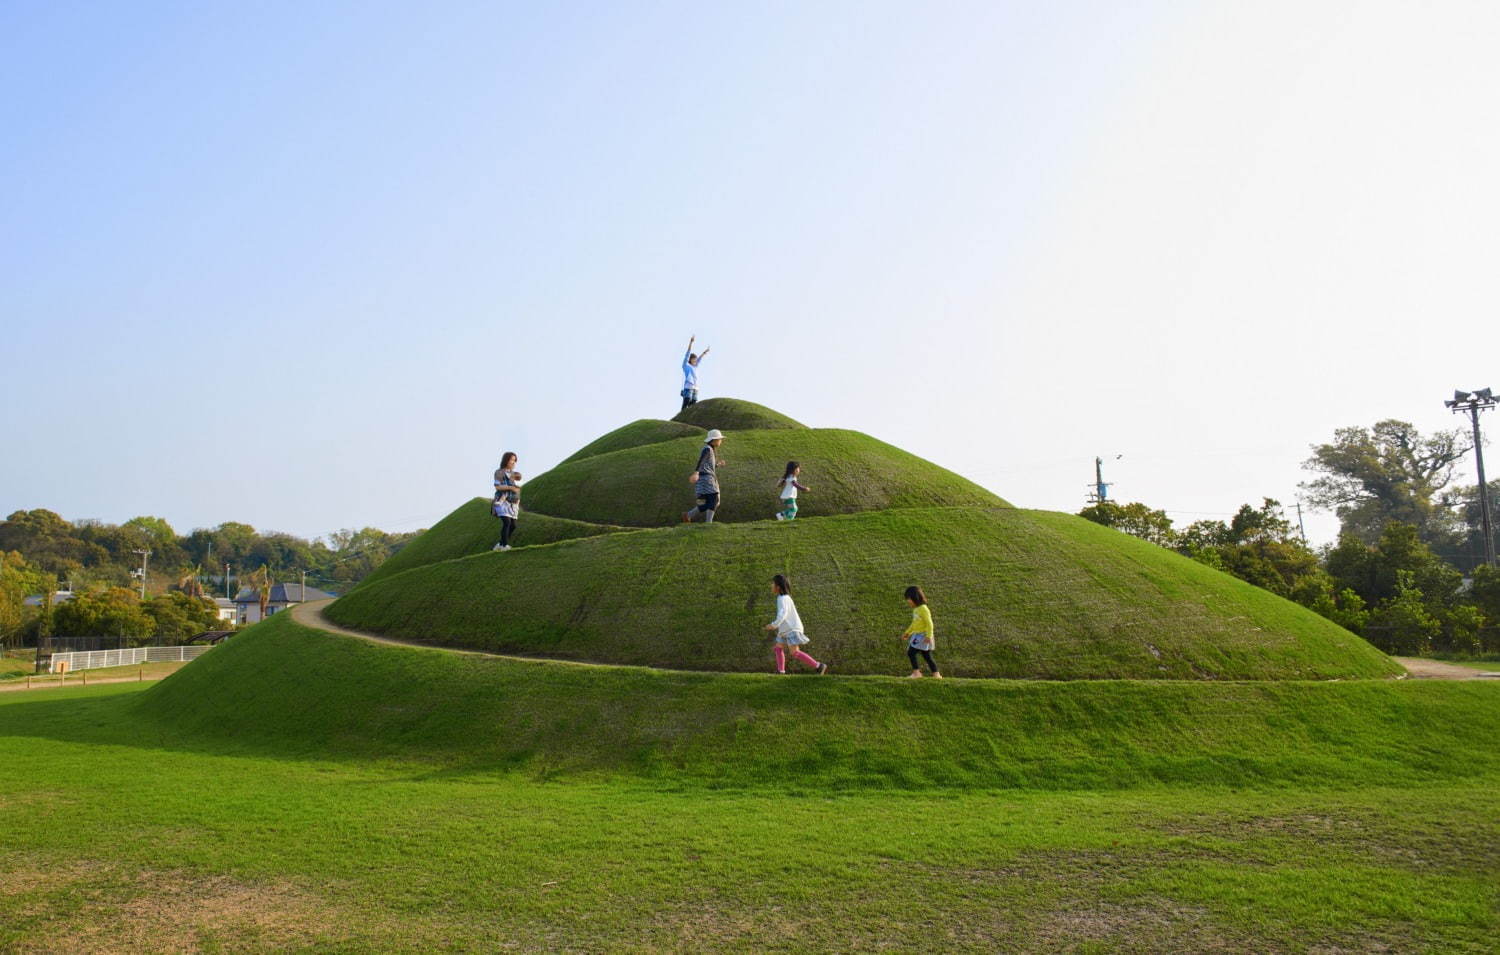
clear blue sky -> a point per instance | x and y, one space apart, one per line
312 266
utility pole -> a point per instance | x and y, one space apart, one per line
1300 529
226 582
1473 403
1101 487
145 560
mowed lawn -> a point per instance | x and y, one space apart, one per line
177 818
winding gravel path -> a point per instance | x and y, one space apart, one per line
310 614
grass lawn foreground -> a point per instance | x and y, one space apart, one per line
339 795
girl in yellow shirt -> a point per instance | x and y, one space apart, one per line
919 636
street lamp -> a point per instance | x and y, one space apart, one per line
1474 402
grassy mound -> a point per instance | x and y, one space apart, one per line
1015 594
732 414
472 529
635 434
847 472
269 689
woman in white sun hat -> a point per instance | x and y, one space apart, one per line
705 479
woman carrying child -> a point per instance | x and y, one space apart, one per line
788 627
705 479
789 487
507 502
919 636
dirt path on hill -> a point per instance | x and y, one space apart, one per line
310 614
1423 669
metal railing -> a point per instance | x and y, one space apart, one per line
96 659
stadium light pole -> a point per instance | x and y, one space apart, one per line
1474 402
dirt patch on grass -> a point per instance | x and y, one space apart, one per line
85 907
1152 925
1412 844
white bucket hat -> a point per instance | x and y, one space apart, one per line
713 435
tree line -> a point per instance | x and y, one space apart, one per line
1407 572
41 552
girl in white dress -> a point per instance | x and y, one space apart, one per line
788 627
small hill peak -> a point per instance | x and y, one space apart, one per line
733 414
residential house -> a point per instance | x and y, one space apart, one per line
247 601
228 611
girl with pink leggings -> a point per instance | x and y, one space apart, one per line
788 627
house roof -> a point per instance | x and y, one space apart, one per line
296 593
281 594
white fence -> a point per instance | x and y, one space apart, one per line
94 659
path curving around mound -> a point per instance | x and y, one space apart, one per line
310 614
1420 668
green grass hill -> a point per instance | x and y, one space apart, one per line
732 414
1015 594
288 690
472 529
635 434
604 571
647 486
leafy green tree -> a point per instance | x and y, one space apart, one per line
232 542
158 537
1485 593
1202 537
1462 629
178 616
1470 552
1135 519
1373 572
1391 472
18 580
116 612
50 542
1259 546
1403 624
355 554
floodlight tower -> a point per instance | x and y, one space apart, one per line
1475 402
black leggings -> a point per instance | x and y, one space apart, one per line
911 654
507 528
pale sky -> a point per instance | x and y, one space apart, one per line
316 266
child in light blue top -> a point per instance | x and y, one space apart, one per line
690 374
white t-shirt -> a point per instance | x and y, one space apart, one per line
787 619
789 488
